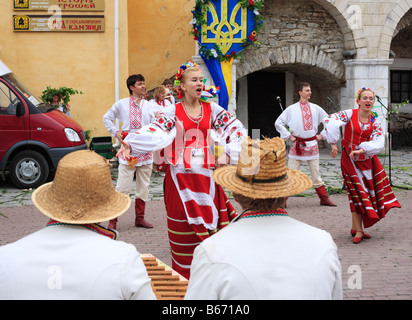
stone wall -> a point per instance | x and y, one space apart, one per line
298 32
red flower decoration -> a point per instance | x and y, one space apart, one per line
251 2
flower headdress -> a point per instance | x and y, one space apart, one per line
183 67
210 92
179 74
358 94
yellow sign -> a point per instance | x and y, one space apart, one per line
64 5
21 23
58 23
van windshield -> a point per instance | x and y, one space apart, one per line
18 85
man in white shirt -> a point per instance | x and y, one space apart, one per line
299 124
264 253
134 112
74 257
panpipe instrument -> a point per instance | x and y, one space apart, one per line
166 283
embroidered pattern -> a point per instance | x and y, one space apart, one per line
135 114
306 116
224 125
257 214
164 122
305 151
223 120
93 227
338 116
376 130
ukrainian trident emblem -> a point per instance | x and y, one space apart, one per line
224 29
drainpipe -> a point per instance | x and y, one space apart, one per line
116 59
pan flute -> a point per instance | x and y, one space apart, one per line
166 283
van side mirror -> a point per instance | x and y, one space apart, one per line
20 111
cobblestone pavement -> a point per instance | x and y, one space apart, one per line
378 268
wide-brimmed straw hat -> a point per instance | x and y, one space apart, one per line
82 191
261 172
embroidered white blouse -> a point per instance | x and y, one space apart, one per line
121 111
333 122
162 132
301 122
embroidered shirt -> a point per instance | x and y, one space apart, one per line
92 226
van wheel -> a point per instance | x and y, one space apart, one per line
28 169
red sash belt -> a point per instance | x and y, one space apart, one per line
301 143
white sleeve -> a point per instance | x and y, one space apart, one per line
280 124
333 122
377 141
230 131
200 285
109 117
329 276
216 281
135 281
323 115
154 136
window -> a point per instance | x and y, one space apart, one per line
8 100
401 86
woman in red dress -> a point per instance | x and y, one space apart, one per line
369 191
196 206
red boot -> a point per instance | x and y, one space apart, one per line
139 208
323 196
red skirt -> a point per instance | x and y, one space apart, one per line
184 237
369 191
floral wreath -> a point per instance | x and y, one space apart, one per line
210 92
216 52
358 94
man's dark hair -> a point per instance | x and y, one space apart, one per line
133 79
301 85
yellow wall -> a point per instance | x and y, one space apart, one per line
85 61
159 40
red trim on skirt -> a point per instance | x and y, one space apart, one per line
369 191
184 237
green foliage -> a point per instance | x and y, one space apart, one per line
63 92
394 110
88 134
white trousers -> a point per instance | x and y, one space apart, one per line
125 180
313 168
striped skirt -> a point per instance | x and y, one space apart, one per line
184 237
369 190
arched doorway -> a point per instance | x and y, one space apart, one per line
301 42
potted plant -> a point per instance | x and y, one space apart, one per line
63 93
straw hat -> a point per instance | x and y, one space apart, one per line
261 172
82 191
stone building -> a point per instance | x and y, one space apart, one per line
338 46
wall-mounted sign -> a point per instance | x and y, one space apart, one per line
64 5
36 23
